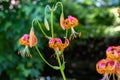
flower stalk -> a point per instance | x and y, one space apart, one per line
60 65
52 29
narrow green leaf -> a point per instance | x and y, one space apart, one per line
56 67
63 65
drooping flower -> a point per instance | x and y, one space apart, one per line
28 40
70 22
110 65
105 66
113 52
56 43
101 66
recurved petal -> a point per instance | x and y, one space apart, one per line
62 20
32 39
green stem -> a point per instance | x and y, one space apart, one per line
46 9
118 77
60 4
33 22
52 30
54 67
61 68
66 33
42 30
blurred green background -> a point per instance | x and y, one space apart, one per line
98 22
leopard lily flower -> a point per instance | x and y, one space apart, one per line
70 23
106 67
56 43
28 40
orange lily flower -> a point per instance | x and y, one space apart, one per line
105 66
56 43
70 22
28 40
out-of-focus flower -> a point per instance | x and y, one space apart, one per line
56 43
101 66
14 3
70 22
110 65
105 66
28 40
113 52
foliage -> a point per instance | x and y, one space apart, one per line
14 22
94 20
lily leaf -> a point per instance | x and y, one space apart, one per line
56 67
63 65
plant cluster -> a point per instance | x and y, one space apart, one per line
30 40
